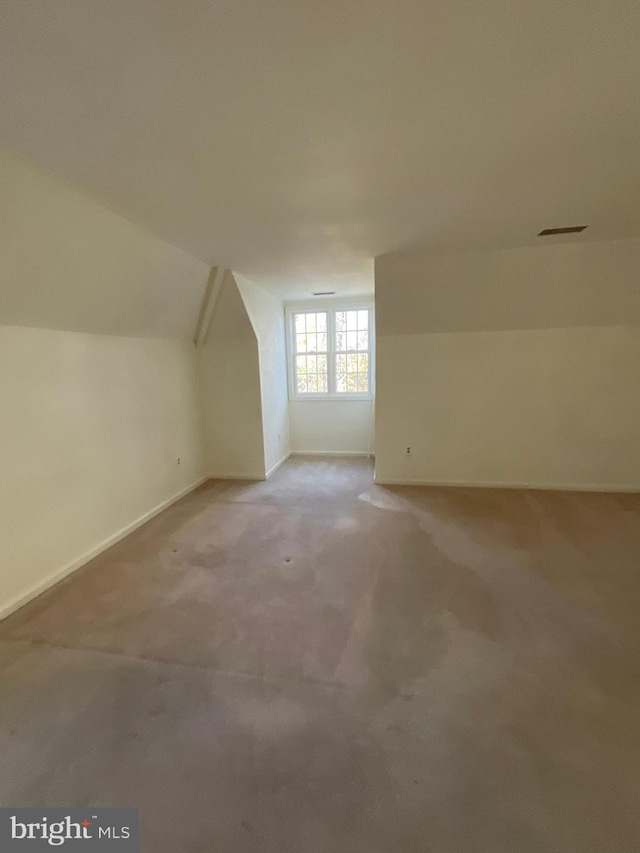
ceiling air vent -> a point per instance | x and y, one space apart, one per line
572 229
324 293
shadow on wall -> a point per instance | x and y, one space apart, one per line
229 369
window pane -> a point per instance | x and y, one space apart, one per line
352 382
352 321
341 341
341 321
363 340
363 321
341 364
306 326
311 369
363 362
352 363
352 340
341 383
363 382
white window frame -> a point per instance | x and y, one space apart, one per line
330 306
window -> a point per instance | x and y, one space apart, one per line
330 352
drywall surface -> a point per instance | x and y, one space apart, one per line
66 262
330 426
266 313
550 407
354 125
229 367
572 284
91 430
481 397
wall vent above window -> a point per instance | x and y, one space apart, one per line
324 293
571 229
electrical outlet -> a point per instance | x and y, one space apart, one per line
407 452
179 460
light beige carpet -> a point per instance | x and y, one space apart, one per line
317 664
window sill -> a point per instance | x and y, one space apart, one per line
330 398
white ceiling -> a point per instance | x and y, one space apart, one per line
294 140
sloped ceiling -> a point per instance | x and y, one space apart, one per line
550 287
67 262
294 140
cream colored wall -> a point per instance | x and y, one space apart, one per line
330 426
91 430
98 378
67 262
481 397
266 313
549 407
229 369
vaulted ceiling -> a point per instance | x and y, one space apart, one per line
294 140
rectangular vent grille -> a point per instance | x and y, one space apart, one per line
572 229
325 293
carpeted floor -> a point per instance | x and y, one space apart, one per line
317 664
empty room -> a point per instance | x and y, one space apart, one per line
320 426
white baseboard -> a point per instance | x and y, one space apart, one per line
275 467
491 484
43 585
330 453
